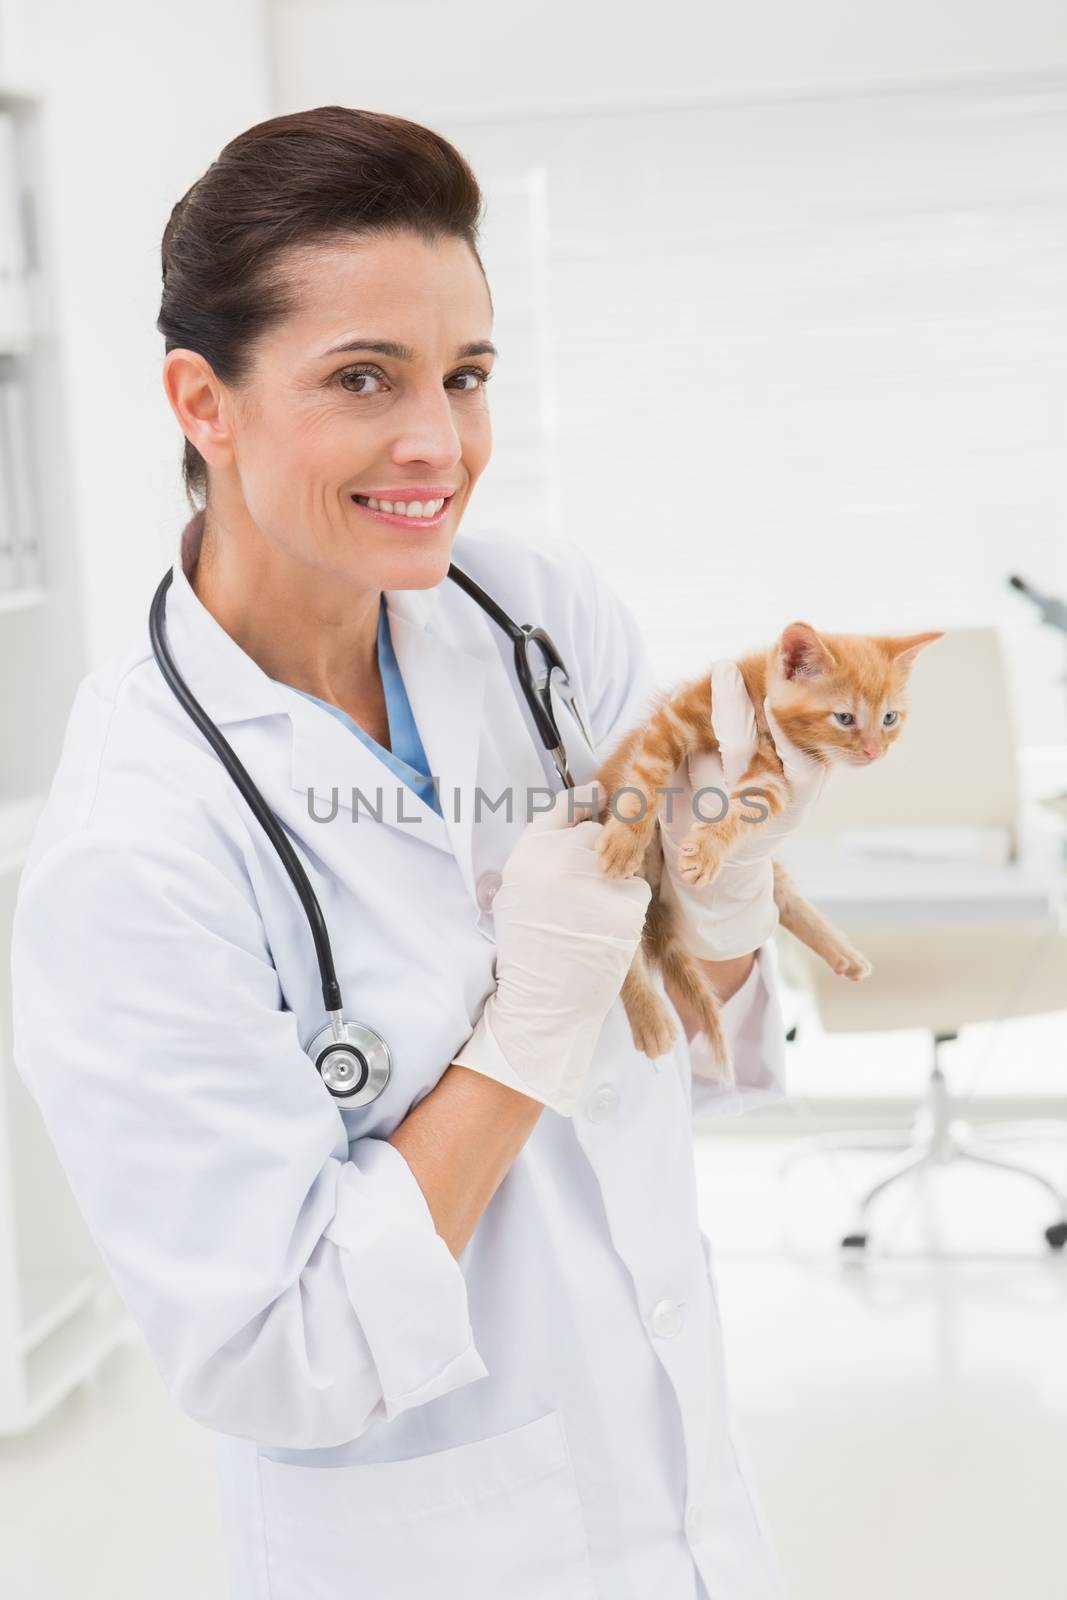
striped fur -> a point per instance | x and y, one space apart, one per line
806 677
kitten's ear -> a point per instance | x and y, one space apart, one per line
802 653
905 648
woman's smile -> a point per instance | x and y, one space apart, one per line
416 508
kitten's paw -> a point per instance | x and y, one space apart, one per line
700 857
621 848
850 964
652 1029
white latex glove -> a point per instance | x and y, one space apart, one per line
735 913
565 937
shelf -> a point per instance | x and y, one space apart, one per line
21 90
17 342
63 1318
22 599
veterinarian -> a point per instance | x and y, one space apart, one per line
405 1217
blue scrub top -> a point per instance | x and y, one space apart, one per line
407 758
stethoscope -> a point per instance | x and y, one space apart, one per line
353 1059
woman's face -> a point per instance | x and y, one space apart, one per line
317 424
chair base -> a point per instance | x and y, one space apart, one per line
935 1139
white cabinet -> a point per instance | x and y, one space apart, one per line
59 1315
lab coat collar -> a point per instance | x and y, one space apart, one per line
227 682
445 684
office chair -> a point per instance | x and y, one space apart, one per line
960 912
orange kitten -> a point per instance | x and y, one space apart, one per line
814 682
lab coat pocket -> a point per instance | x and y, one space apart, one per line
499 1517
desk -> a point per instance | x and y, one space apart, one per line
898 890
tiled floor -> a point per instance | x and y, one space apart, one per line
905 1421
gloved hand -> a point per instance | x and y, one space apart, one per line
565 937
735 913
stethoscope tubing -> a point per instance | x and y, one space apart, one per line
545 723
331 989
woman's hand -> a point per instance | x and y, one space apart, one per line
736 913
565 937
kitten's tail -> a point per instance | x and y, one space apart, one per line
682 972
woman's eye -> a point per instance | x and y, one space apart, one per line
889 719
358 372
363 373
845 718
474 372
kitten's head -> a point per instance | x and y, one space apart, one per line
842 696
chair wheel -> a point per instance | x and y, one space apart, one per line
854 1241
1057 1235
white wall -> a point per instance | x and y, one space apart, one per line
427 57
841 316
800 358
141 97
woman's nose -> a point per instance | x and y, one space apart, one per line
429 432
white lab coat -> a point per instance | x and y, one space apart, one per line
543 1419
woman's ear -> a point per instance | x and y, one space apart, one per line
195 397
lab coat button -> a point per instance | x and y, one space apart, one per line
486 889
667 1317
602 1103
696 1522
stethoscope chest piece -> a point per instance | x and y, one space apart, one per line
351 1059
355 1066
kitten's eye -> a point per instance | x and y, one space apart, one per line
889 719
845 718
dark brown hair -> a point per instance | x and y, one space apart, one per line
284 184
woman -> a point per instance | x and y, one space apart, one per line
447 1343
